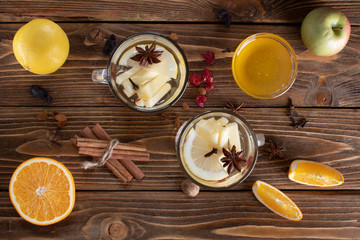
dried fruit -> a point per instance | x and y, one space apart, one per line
200 100
110 44
207 76
61 119
39 92
147 55
209 57
164 116
194 79
202 91
209 87
190 188
185 106
42 116
174 36
225 17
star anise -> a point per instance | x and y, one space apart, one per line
232 159
147 55
275 150
236 109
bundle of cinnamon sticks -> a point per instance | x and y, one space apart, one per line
95 143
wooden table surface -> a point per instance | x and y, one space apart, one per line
326 91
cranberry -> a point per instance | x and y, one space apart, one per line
195 80
200 100
209 57
207 76
209 87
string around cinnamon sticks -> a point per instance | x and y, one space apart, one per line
117 157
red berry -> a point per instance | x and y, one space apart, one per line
209 57
207 76
209 87
200 100
195 80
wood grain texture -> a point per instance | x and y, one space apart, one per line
321 81
211 215
331 137
174 10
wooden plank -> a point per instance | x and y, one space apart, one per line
175 11
321 81
211 215
331 137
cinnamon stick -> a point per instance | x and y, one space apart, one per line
113 165
129 155
132 168
128 164
95 143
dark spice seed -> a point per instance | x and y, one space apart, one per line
110 44
225 17
39 92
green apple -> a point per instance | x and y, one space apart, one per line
325 31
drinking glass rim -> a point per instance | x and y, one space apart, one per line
151 110
288 48
180 136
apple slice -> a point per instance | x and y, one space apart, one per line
234 136
157 97
207 131
222 121
223 137
149 90
143 76
125 75
128 88
139 102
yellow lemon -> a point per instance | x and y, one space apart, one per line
41 46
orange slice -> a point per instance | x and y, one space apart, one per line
314 174
276 201
42 191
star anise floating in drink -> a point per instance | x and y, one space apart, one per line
275 150
235 109
147 55
232 159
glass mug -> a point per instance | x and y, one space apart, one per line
264 66
188 144
118 64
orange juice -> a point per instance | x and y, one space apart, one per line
264 65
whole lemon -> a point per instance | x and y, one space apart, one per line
41 46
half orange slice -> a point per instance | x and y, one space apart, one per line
42 191
314 174
276 201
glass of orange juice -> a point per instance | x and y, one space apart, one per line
264 65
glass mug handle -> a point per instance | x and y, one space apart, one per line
260 139
100 76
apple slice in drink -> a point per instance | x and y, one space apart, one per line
222 121
149 90
128 88
223 137
234 136
125 75
158 96
143 76
209 135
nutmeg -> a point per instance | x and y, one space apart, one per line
189 188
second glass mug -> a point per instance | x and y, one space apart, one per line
116 65
249 143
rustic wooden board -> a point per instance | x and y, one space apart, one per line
331 137
175 11
321 81
211 215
